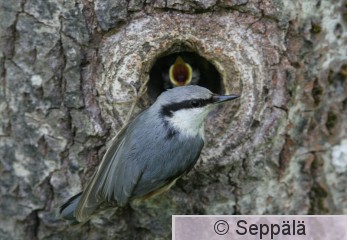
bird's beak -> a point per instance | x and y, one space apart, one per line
224 98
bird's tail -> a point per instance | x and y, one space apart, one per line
67 210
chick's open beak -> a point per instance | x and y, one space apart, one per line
180 73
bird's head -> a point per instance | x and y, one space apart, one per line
185 108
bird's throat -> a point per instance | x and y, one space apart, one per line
188 122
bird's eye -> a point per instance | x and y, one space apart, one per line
195 103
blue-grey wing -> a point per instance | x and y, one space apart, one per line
140 160
114 180
178 158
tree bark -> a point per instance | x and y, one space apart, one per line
72 70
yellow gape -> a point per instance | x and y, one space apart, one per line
180 73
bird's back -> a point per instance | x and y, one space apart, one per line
162 153
144 158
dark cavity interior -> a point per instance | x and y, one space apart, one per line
209 77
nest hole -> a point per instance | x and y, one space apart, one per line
203 73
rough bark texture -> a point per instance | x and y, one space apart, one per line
68 73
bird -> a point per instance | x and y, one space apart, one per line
149 154
180 73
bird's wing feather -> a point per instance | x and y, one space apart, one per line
124 172
179 164
108 180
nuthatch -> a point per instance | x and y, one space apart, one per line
180 74
147 157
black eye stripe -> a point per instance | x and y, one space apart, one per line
167 110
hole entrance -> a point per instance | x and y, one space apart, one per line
186 68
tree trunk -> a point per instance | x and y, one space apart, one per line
71 71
